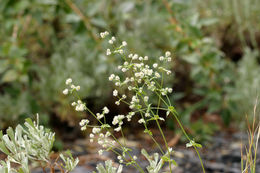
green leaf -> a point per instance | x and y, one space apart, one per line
172 110
29 121
165 158
1 134
198 145
10 133
193 144
148 131
105 126
174 162
3 148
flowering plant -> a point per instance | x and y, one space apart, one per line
140 81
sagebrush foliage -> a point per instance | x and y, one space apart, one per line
31 143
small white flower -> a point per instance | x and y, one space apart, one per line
124 43
161 58
157 75
106 110
77 88
108 52
107 134
104 34
147 114
141 121
100 152
134 157
84 122
83 128
80 107
135 56
146 98
73 104
115 120
121 51
110 42
68 81
65 92
117 103
167 54
91 135
118 129
115 93
99 116
169 59
146 58
95 130
162 119
113 38
111 77
124 69
155 65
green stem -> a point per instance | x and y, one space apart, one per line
201 162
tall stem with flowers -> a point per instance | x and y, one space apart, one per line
140 81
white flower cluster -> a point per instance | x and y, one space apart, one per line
111 41
83 123
120 159
130 115
166 90
135 103
166 57
102 139
143 78
115 94
141 71
104 34
118 120
140 121
101 115
71 88
79 106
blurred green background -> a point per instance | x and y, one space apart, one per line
215 44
